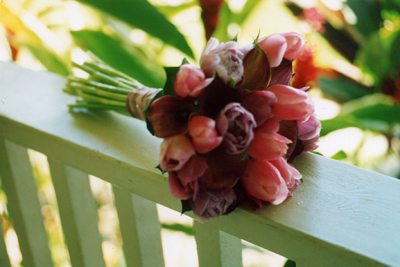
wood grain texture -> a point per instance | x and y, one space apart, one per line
340 215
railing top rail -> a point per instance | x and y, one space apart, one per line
339 214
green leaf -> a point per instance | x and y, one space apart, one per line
340 155
49 59
373 112
178 227
169 84
395 54
121 56
368 13
344 121
372 57
342 89
171 74
376 107
141 14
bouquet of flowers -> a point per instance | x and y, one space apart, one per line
231 127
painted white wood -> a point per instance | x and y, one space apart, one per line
78 215
4 259
140 229
23 204
216 248
340 215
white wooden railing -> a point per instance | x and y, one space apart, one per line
340 215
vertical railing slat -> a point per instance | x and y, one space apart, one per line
23 204
78 215
217 248
140 229
4 259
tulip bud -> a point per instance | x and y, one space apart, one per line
203 133
263 181
175 151
292 104
190 81
295 45
309 132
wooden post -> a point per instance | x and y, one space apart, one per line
78 215
23 204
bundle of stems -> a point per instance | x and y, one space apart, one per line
104 88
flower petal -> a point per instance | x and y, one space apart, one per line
169 116
224 169
262 180
259 103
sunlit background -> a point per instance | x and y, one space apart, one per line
351 62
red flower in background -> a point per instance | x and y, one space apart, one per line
306 73
209 15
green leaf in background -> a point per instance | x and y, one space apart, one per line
341 88
376 107
368 13
141 14
339 155
373 58
373 112
49 59
395 53
121 56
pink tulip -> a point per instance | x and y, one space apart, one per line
309 132
263 181
183 184
295 45
274 46
288 172
190 81
267 144
293 104
175 151
225 59
236 125
178 190
277 46
203 133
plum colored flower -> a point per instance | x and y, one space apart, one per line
309 132
175 151
263 181
203 133
277 46
169 116
236 125
190 81
288 172
259 103
183 184
267 143
208 204
225 59
292 104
